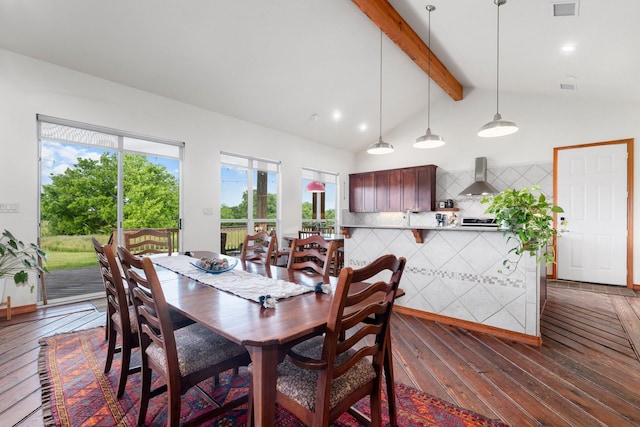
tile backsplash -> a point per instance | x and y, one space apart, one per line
450 183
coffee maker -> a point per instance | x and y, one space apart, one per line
441 219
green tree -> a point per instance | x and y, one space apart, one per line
307 210
241 210
83 199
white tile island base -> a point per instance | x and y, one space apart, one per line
453 277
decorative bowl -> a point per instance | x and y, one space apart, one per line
215 265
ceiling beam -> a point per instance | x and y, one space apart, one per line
381 13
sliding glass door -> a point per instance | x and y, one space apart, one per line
99 182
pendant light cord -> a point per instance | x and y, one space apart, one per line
429 68
380 83
498 2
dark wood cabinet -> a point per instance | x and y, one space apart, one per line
393 190
382 191
409 190
362 192
426 189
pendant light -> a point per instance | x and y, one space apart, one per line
429 140
315 186
380 147
498 127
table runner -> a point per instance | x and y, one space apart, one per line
238 282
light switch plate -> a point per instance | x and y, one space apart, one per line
9 207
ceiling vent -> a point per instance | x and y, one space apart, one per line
567 86
565 8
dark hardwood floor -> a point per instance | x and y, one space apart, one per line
586 373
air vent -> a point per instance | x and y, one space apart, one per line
567 86
565 8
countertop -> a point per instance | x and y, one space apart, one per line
424 227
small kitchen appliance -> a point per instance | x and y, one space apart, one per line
479 222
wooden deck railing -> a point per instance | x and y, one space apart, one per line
175 236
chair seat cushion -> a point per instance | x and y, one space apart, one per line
301 384
198 348
133 323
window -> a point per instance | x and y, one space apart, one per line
249 197
96 181
319 209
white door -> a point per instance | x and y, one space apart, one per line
592 190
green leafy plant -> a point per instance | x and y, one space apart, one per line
16 258
525 216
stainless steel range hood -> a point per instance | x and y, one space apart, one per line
480 187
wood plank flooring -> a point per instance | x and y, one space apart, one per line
586 373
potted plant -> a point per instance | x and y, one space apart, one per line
525 216
17 258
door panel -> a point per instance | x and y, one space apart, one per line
592 189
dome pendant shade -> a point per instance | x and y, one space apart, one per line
380 147
429 140
315 187
498 127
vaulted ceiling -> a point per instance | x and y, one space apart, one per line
278 62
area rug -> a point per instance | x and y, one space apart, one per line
76 392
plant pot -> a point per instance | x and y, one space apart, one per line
3 287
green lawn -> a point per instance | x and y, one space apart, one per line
70 251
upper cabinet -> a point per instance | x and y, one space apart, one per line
362 192
393 190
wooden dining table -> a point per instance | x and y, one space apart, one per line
266 333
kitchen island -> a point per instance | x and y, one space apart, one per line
453 276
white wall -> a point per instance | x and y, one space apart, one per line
29 87
545 123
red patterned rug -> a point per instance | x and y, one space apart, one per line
76 392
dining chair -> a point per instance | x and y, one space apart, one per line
303 234
313 253
121 318
223 243
148 241
280 255
258 248
324 376
180 357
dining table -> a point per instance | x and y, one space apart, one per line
267 333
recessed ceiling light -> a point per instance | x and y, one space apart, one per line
569 47
337 115
363 127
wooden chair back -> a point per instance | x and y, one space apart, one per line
117 301
120 318
312 253
280 256
259 247
141 296
148 241
223 243
349 359
202 354
303 234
